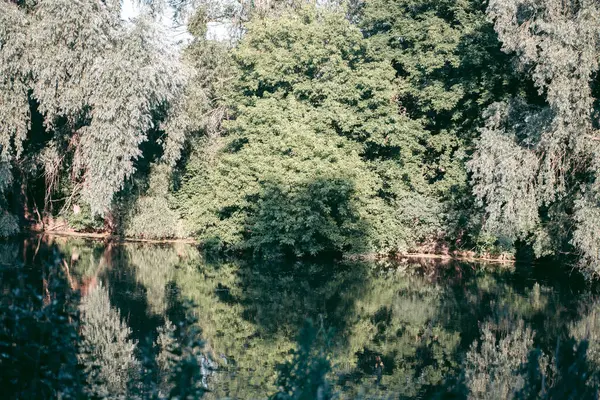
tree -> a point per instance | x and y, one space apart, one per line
449 66
79 90
535 166
317 157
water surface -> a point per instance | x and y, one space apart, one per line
419 316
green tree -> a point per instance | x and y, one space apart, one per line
316 157
449 67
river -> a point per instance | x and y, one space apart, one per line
421 316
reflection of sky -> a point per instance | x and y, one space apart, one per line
176 33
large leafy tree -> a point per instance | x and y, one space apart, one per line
317 156
535 169
79 91
449 66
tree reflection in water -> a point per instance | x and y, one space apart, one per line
442 330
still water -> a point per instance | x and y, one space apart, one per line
420 316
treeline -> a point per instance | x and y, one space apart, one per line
382 126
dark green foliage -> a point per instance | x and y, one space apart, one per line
449 67
317 217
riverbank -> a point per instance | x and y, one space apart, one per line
458 255
110 237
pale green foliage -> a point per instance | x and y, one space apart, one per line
535 166
587 221
137 81
198 113
152 215
106 350
14 107
96 83
505 172
492 365
559 42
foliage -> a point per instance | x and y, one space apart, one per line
316 143
152 215
449 68
83 220
542 186
92 82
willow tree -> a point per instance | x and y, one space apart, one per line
535 170
91 83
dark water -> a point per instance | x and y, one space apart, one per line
420 316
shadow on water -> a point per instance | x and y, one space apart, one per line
38 324
279 296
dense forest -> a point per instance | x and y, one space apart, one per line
377 127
